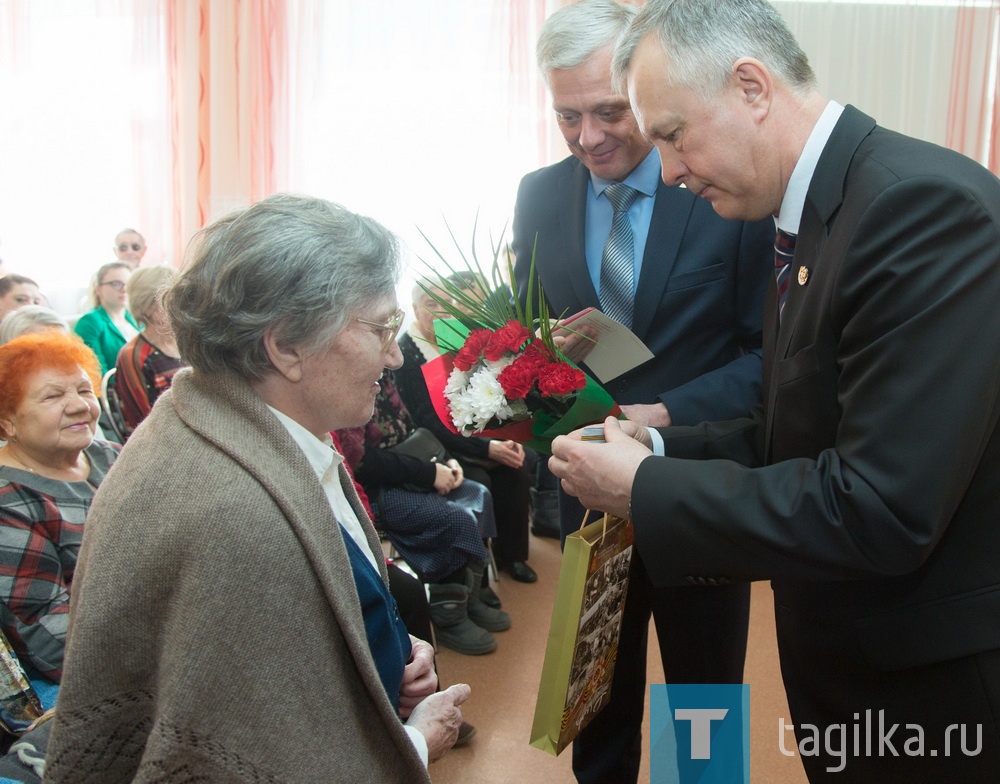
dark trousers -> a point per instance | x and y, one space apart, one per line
511 491
702 632
830 684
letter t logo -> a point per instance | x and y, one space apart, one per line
701 728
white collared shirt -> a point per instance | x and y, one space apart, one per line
325 461
794 199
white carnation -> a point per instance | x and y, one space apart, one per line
462 414
500 364
457 382
486 398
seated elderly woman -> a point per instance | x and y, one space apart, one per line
147 363
29 320
499 464
436 520
231 609
49 470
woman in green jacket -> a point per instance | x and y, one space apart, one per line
109 326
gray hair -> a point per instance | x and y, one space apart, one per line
703 38
298 266
23 320
571 35
145 288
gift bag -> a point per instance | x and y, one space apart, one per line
583 636
19 704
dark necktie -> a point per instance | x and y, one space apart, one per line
617 261
784 249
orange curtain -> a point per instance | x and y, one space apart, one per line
226 63
974 106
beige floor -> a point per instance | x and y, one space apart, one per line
505 683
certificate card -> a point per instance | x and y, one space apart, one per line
617 350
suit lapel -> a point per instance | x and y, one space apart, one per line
823 200
671 214
572 223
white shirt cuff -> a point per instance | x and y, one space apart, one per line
657 439
419 742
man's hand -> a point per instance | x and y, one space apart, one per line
419 678
651 415
601 475
508 453
438 718
577 344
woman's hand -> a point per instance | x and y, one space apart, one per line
448 477
419 678
438 718
508 453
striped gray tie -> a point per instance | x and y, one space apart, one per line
617 261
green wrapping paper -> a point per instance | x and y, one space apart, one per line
583 636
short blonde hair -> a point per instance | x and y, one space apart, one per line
145 289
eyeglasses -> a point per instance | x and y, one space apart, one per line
124 246
389 330
117 285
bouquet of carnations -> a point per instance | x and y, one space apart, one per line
500 373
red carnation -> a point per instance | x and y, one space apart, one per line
517 379
559 379
536 355
470 353
510 337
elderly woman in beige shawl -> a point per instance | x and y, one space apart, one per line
230 618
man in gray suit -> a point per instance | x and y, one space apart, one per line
865 488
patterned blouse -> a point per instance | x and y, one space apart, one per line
41 526
144 373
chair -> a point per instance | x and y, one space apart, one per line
112 408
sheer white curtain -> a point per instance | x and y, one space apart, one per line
926 68
159 114
974 108
82 139
418 115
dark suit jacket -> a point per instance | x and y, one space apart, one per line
868 485
699 300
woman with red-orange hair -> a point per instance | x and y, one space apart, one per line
50 468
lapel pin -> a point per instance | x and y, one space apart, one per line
803 276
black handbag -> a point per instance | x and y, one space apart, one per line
423 445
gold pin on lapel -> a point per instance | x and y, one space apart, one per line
803 276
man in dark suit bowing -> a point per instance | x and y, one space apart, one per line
692 289
866 487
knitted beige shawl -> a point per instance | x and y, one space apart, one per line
215 631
